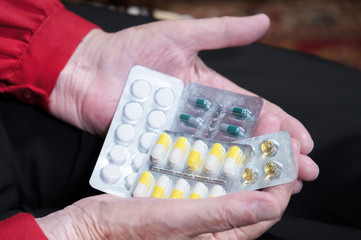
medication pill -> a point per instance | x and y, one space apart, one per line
181 189
197 155
146 141
191 121
268 147
111 174
271 169
156 119
215 157
118 154
204 104
138 161
239 112
144 184
133 111
217 191
140 89
232 130
232 160
162 187
125 133
161 148
199 191
164 97
179 152
130 180
249 175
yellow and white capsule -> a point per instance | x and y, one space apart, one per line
217 191
199 191
161 148
232 160
181 189
179 152
214 158
162 187
144 185
197 155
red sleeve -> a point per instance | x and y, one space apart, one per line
36 40
21 226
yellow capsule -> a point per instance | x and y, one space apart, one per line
181 189
249 175
199 191
268 147
162 187
196 155
179 152
271 169
161 148
215 157
233 158
217 191
144 184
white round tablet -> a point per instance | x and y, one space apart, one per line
164 97
140 89
125 133
111 174
156 119
146 141
118 154
138 161
130 180
133 111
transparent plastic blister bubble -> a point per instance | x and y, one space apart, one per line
183 166
147 106
216 114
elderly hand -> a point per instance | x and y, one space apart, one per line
241 215
89 87
86 95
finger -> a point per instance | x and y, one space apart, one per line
298 187
267 123
297 130
220 214
214 33
248 232
308 169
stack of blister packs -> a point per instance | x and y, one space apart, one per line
167 141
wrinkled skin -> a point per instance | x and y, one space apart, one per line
86 95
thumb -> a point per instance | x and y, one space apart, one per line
214 33
194 217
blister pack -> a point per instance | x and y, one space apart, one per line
147 106
212 113
183 166
152 102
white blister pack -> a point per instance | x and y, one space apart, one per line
212 113
147 106
181 166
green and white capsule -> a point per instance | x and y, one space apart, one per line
239 112
202 103
232 130
191 121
